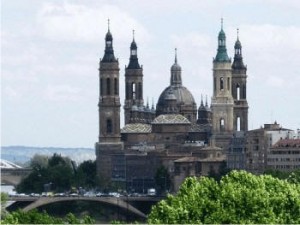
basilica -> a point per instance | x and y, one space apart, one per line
176 135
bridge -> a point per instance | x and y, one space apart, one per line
13 176
125 203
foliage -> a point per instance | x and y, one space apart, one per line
57 174
35 217
86 174
162 179
239 198
293 176
4 198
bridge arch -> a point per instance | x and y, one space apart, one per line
118 202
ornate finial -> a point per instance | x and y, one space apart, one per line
237 31
201 100
222 23
147 103
152 103
133 34
206 104
108 23
175 55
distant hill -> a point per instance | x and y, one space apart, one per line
22 154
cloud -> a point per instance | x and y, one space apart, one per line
63 93
80 23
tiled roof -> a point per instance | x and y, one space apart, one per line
288 143
171 119
137 128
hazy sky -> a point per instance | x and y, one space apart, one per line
50 53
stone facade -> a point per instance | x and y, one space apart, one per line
171 135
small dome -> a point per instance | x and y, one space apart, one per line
222 34
133 45
108 36
237 44
175 67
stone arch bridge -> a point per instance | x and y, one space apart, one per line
125 203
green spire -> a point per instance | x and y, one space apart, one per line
222 51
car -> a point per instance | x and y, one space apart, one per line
74 195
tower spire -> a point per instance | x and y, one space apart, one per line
221 23
133 35
238 58
201 100
133 60
109 51
175 55
222 51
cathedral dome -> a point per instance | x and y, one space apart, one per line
181 93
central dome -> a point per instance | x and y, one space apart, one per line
177 98
182 94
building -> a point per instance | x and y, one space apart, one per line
259 142
173 131
284 155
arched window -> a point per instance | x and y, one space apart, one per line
238 124
133 88
228 83
116 86
238 92
108 86
221 83
140 92
222 124
127 90
108 126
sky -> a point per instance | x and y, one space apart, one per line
50 52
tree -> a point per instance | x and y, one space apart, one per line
162 179
4 198
239 197
86 174
58 172
35 217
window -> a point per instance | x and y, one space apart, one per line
221 83
222 124
133 88
238 124
108 43
133 52
127 90
116 86
140 91
238 92
108 86
228 83
108 126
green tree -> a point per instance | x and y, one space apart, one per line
86 174
162 179
35 217
58 172
4 198
239 197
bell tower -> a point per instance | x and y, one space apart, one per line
109 142
239 89
222 101
133 82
